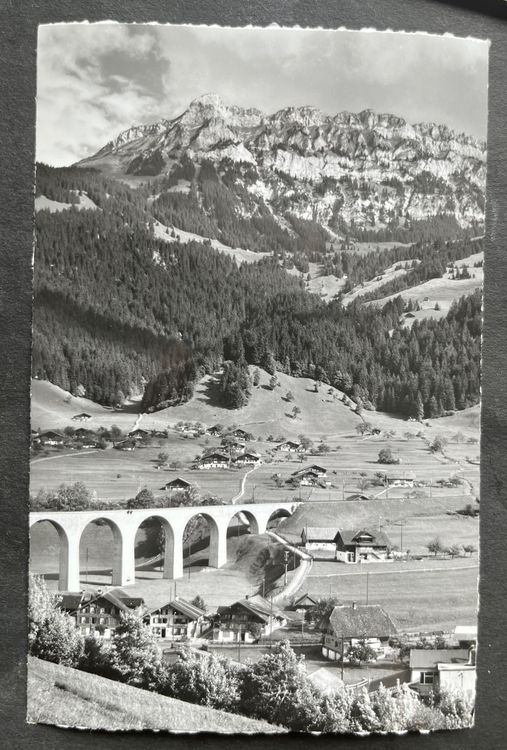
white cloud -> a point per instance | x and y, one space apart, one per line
84 99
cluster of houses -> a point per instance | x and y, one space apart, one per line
221 460
250 619
98 613
347 545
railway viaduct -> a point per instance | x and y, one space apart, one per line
125 523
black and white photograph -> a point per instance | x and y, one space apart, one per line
256 378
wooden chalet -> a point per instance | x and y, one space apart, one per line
177 620
214 460
138 434
177 484
247 620
315 469
354 546
240 434
405 479
126 445
98 613
83 417
215 431
304 602
51 437
290 446
247 458
349 624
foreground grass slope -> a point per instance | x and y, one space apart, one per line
70 698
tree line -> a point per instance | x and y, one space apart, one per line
117 310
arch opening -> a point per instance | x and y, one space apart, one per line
204 543
100 553
154 549
242 525
49 551
276 518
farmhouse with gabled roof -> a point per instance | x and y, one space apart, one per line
247 620
362 546
177 620
348 624
177 484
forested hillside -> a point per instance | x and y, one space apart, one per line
118 312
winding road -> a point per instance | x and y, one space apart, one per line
302 570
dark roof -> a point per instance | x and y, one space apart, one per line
426 658
139 431
257 606
186 608
305 601
248 454
357 496
83 414
379 538
312 468
178 482
52 433
363 620
70 601
321 533
132 602
216 454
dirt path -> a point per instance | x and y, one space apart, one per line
243 485
64 455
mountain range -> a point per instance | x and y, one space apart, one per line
366 171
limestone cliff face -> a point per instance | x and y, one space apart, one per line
369 168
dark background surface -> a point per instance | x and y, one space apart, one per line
18 43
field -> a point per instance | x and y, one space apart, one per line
321 412
242 256
67 697
420 596
443 291
389 274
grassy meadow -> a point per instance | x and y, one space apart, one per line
69 698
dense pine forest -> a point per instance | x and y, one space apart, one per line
118 312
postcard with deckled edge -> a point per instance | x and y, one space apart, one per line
255 400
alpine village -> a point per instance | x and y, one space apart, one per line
255 425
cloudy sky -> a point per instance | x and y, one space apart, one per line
95 80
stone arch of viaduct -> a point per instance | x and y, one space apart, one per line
125 523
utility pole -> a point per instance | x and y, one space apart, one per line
87 565
343 657
367 586
286 562
401 524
